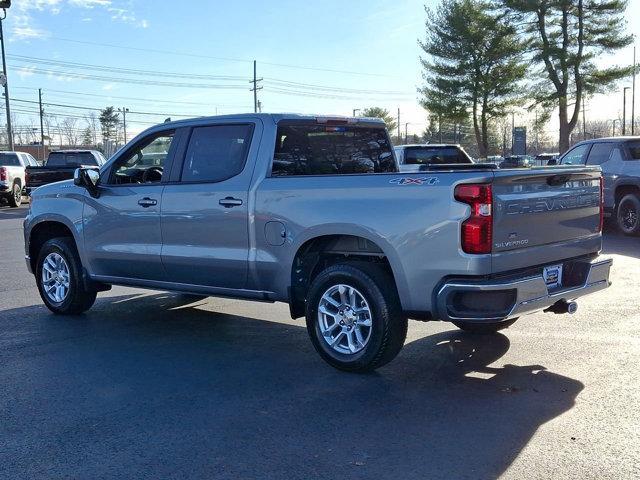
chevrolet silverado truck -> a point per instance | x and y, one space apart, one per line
312 211
61 165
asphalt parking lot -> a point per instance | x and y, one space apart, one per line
147 386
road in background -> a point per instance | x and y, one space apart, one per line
150 385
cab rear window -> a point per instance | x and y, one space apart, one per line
9 160
433 155
59 159
313 149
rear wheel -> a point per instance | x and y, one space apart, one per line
59 278
354 317
627 215
16 196
484 328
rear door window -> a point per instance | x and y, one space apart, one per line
634 150
216 153
600 153
316 149
575 156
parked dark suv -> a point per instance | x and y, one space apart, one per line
619 158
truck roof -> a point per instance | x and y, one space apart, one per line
274 117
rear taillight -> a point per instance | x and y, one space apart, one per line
3 173
477 230
601 204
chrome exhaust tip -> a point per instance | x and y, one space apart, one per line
562 306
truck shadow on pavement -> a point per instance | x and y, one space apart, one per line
151 387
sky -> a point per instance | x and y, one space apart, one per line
326 57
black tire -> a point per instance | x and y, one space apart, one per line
15 199
628 215
78 298
484 328
388 329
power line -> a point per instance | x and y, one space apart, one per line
122 70
224 59
87 76
144 100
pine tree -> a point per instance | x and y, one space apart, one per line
473 65
383 113
109 121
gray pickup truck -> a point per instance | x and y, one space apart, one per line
312 211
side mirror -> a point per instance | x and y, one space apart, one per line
88 178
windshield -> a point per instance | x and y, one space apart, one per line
314 149
9 160
59 159
434 155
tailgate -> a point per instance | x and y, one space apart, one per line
543 215
38 176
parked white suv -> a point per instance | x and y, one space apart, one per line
12 175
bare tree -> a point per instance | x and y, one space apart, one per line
69 130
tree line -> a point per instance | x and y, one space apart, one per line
482 59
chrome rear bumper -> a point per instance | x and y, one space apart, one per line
521 295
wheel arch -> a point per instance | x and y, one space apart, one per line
322 247
44 230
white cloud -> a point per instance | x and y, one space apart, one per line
27 32
25 72
90 3
24 26
107 87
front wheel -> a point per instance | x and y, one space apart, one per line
484 328
354 318
59 278
627 215
16 196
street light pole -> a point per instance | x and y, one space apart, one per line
633 94
624 110
6 83
355 111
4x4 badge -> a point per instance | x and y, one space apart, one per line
415 181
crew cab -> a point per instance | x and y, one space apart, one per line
12 175
60 165
312 211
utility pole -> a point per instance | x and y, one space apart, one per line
633 94
41 121
355 111
399 137
537 131
255 88
624 111
406 136
124 111
5 81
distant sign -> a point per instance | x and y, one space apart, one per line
519 141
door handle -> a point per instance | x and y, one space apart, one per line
147 202
229 202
